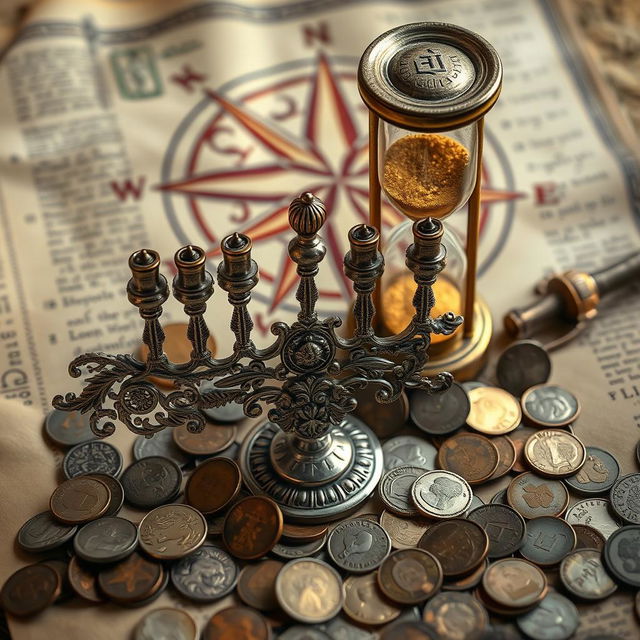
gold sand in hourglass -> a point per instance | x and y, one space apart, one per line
424 175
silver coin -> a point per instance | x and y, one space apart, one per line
340 629
152 481
594 512
358 545
161 444
166 623
304 632
95 456
441 494
523 365
409 451
293 551
597 475
205 575
68 428
625 498
44 533
395 490
547 541
555 618
583 575
476 502
548 405
116 490
106 540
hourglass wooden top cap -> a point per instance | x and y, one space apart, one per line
430 76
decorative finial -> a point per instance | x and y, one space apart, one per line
307 214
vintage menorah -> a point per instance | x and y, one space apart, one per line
311 456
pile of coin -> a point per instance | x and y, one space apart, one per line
427 560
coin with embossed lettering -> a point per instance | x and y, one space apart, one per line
30 590
555 618
596 513
472 456
625 498
588 538
440 413
441 494
584 576
514 583
522 365
213 485
131 580
409 451
547 405
44 533
384 418
115 489
394 490
358 545
173 624
365 603
597 475
555 453
532 496
494 411
239 623
622 555
95 456
212 439
299 550
68 428
404 532
547 541
79 500
151 482
172 531
106 540
504 526
456 616
257 584
309 590
161 444
410 576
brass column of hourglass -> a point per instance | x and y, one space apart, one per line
427 87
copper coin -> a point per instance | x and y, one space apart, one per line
134 579
519 437
383 418
494 411
588 538
365 603
257 584
177 347
547 405
499 609
410 576
30 590
466 582
507 456
115 488
213 485
239 623
303 533
555 453
212 439
83 579
61 567
456 616
460 545
404 532
407 630
252 527
514 583
472 456
532 496
79 500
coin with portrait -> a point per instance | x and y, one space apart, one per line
548 405
365 603
532 496
106 540
404 532
410 576
597 475
358 545
394 490
441 494
555 453
583 575
522 365
456 616
470 455
494 411
622 555
151 481
410 451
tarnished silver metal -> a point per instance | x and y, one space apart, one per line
311 456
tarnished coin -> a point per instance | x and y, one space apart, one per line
151 482
555 618
227 413
68 428
309 590
106 540
384 418
252 527
507 455
441 494
365 603
555 453
597 475
519 438
622 555
459 545
440 413
160 444
500 497
293 533
409 451
166 623
470 455
494 411
547 405
394 490
504 527
212 439
514 583
583 575
172 531
115 489
594 512
402 629
205 575
358 546
213 485
30 590
257 584
532 496
44 533
588 538
522 365
456 616
239 623
232 452
625 498
131 580
83 580
304 632
299 550
341 629
410 576
79 500
548 541
404 532
467 582
95 456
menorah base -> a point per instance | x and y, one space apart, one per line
313 487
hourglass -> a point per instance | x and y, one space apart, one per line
428 86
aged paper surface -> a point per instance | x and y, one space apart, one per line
144 124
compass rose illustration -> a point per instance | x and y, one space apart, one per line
247 148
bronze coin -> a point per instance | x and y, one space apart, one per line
410 576
588 538
519 438
507 454
407 630
466 582
294 533
365 603
383 418
257 585
514 583
83 580
460 545
470 455
404 532
532 496
213 485
497 608
554 453
134 579
456 616
61 567
212 439
30 590
252 527
239 623
80 499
